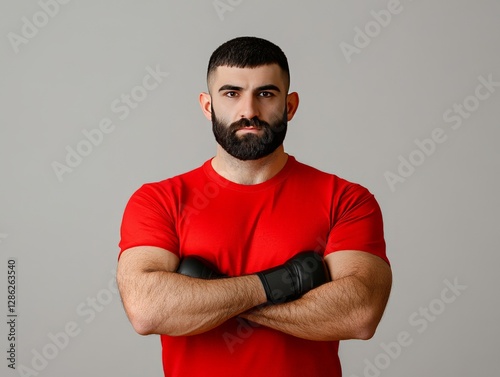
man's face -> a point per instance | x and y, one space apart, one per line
249 114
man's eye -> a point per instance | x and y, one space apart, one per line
265 94
231 94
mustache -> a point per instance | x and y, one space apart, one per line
245 122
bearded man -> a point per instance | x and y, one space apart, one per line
253 264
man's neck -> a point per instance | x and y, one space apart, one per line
249 172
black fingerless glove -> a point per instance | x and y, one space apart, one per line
300 274
198 267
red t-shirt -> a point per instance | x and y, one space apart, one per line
243 229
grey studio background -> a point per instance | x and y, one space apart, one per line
400 96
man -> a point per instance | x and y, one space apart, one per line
249 214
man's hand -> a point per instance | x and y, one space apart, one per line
297 276
197 267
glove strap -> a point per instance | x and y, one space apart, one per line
278 285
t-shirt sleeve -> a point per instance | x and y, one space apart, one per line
148 221
357 223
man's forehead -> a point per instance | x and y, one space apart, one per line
261 75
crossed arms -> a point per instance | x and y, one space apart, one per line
158 300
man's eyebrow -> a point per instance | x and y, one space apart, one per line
268 87
259 89
229 87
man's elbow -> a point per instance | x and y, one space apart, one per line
367 326
146 325
141 323
365 332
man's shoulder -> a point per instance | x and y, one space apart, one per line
328 180
307 170
189 175
175 182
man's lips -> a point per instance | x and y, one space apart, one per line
249 128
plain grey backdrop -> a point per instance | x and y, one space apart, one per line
98 98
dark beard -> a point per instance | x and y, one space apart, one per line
250 146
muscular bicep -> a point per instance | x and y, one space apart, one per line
366 280
354 262
139 276
370 270
147 259
136 262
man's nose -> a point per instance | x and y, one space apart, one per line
249 107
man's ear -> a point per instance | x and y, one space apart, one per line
292 103
206 105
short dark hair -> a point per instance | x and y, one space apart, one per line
248 52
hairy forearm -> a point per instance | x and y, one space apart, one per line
341 309
161 302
